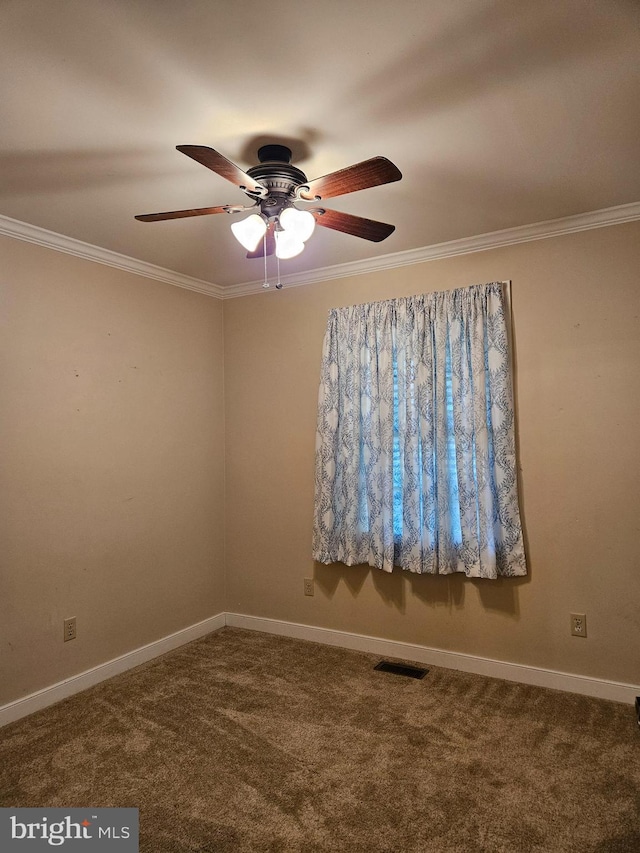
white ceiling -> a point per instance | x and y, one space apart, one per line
499 113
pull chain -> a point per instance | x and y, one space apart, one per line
264 252
265 283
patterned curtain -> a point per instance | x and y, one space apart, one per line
415 452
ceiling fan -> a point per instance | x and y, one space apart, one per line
275 186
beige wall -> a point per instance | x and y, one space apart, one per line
576 308
111 463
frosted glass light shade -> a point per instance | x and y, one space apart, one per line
299 223
248 232
287 245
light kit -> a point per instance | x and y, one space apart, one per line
293 228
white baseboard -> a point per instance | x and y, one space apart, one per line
63 689
597 687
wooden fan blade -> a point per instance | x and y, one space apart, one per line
369 173
196 211
259 251
358 226
225 168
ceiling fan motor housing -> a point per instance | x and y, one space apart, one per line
280 178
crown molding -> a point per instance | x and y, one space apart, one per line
480 243
465 245
71 246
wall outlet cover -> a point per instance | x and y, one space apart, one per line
578 624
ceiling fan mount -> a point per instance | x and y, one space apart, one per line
275 185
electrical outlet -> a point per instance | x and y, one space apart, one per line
70 629
579 624
308 586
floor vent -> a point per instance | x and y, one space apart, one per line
401 669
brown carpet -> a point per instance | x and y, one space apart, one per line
244 741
